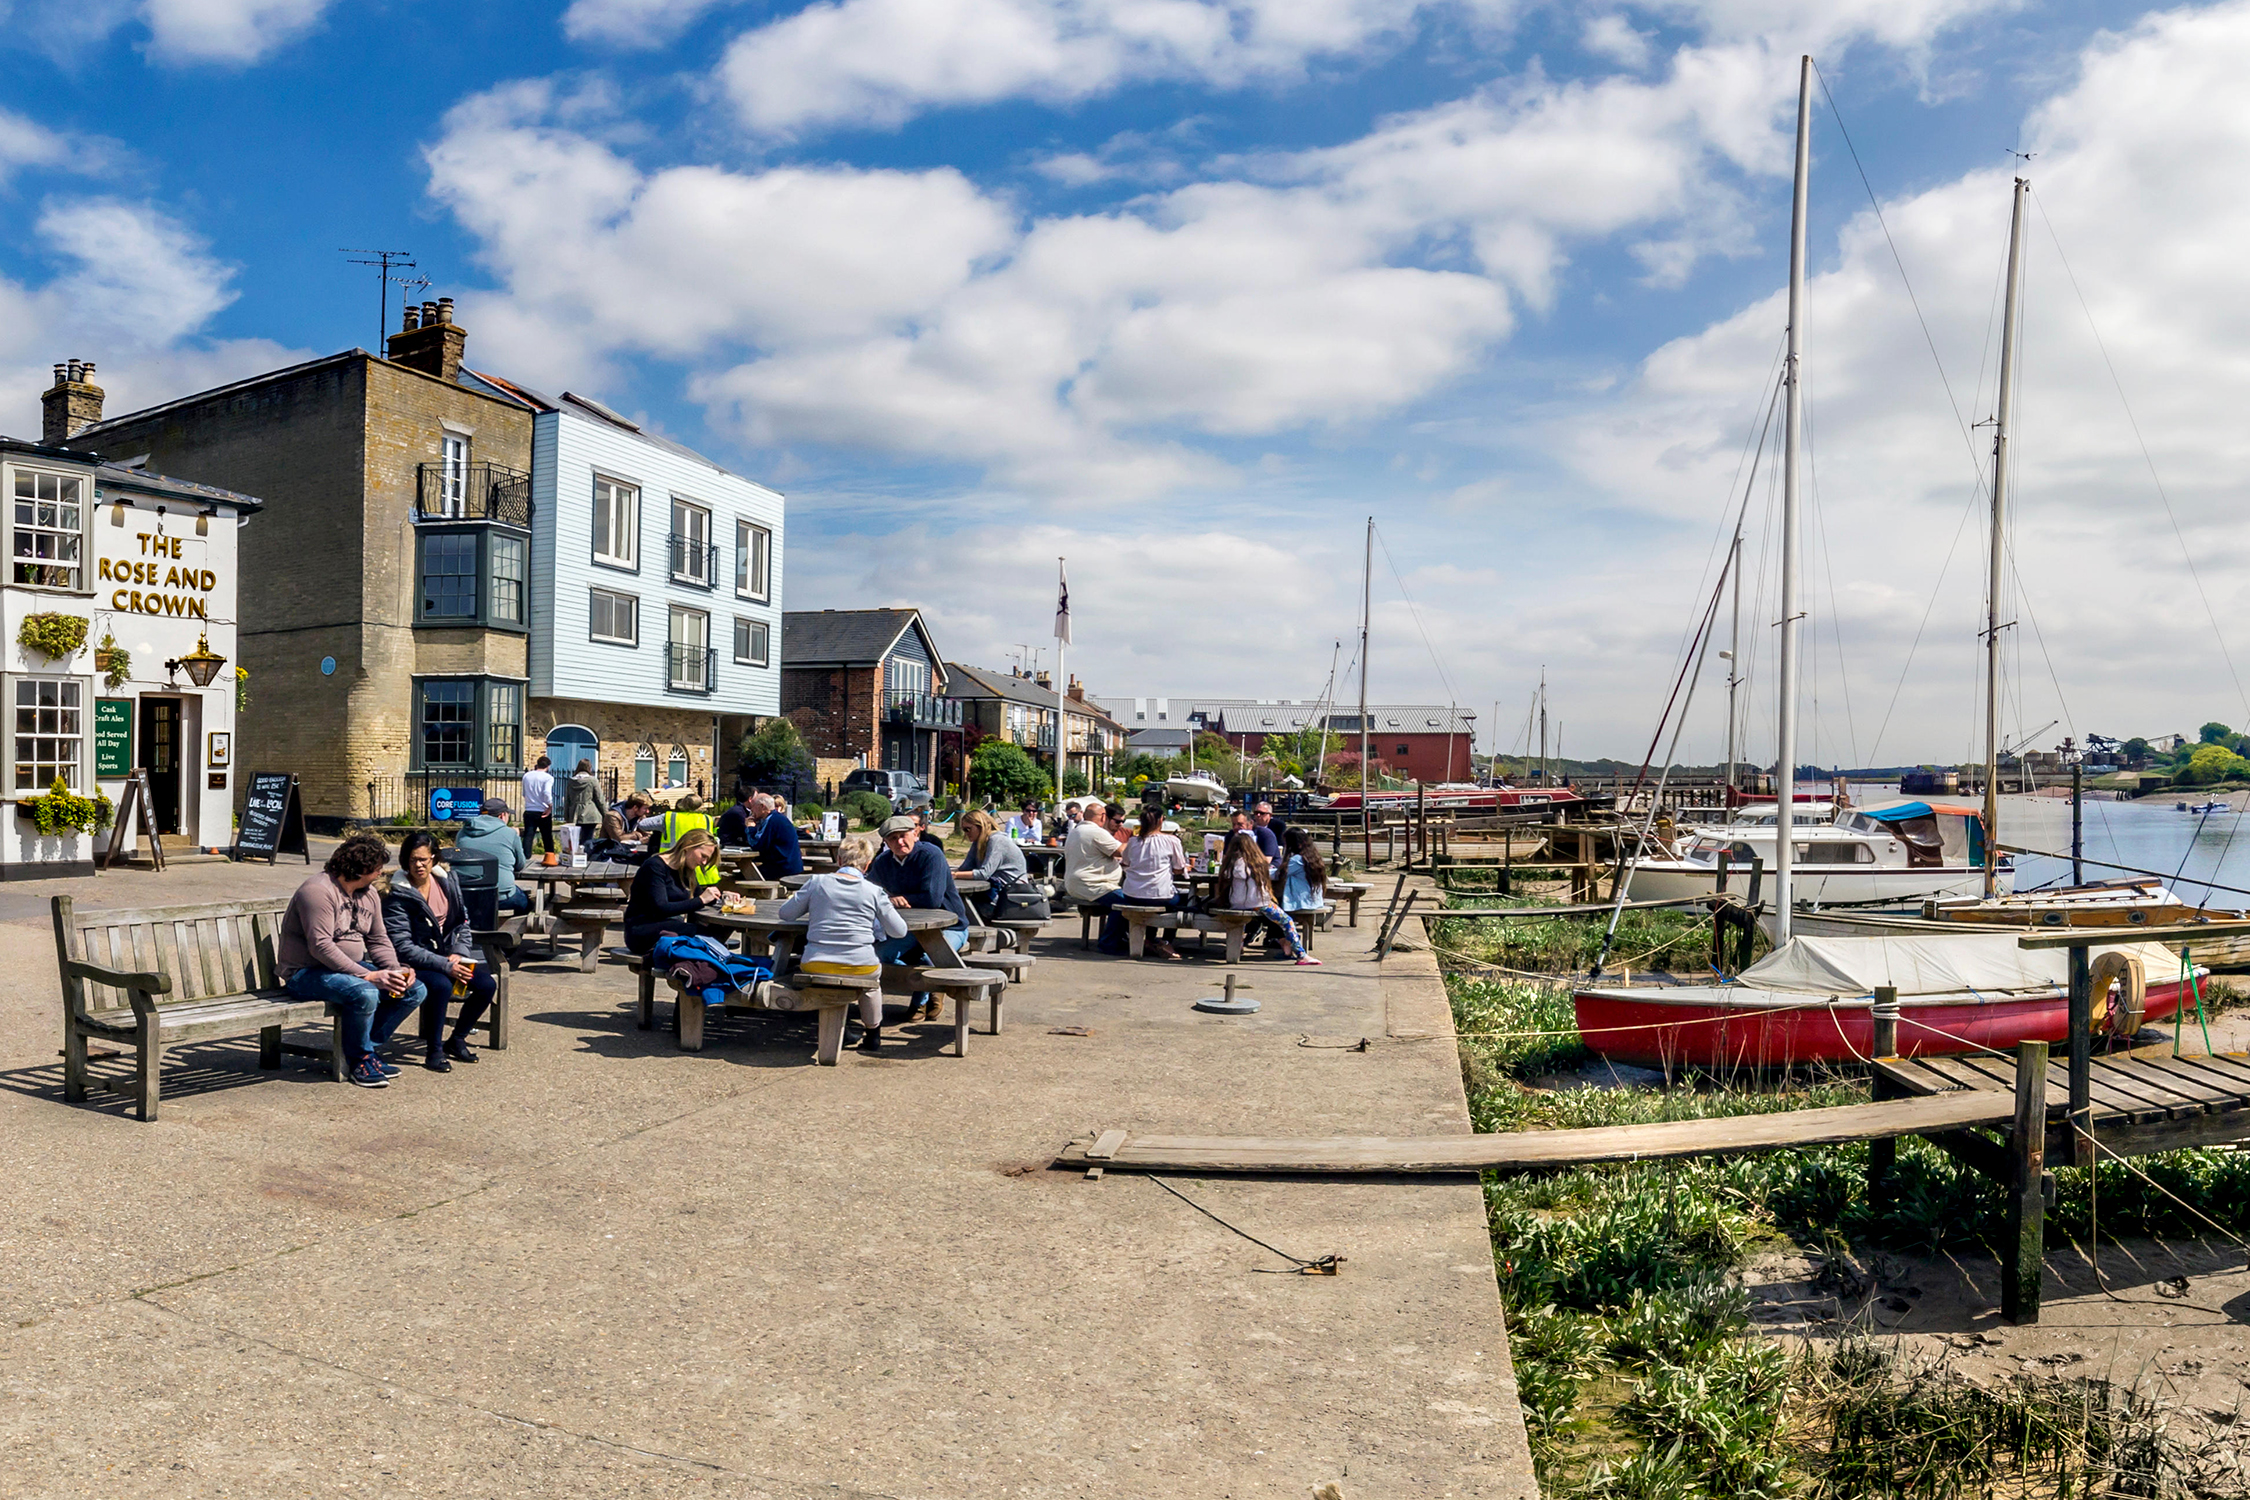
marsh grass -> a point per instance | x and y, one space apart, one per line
1677 942
1639 1373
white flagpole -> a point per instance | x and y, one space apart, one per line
1062 677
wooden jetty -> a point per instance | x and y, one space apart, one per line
2005 1117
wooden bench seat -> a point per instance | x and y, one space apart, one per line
591 924
1024 928
1015 965
964 986
168 976
1351 890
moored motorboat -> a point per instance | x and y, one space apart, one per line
1199 787
2136 901
1897 856
1812 1001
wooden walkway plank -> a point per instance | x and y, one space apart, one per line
2182 1074
2226 1064
2218 1073
2150 1077
1535 1149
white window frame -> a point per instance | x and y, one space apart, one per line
691 522
617 543
80 585
453 459
746 647
700 648
76 779
753 561
632 603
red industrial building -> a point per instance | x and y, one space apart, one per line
1430 744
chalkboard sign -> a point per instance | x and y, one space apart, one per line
113 738
272 820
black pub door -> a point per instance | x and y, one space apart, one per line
160 757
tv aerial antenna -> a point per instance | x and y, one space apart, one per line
385 262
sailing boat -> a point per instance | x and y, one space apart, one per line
1812 998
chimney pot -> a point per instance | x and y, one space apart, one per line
74 404
413 318
445 309
431 341
429 312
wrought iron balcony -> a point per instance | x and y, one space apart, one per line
920 710
695 563
473 492
690 668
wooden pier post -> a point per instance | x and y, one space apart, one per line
2023 1252
1882 1155
2081 1058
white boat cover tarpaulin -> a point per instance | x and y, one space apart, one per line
1977 963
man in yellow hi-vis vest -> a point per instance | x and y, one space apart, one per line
685 814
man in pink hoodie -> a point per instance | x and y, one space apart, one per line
334 948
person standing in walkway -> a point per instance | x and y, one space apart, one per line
428 924
539 804
335 948
582 805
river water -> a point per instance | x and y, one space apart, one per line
2153 834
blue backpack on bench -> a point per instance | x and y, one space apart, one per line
711 967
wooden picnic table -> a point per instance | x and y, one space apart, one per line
1041 859
971 885
784 938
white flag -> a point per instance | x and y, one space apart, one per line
1062 609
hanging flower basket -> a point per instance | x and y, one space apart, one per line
114 662
57 636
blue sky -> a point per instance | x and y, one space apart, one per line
1184 289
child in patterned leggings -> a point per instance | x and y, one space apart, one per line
1246 884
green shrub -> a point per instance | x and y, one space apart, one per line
1004 773
869 808
809 812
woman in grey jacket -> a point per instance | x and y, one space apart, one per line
849 915
582 804
428 923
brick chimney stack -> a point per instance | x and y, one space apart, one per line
1044 681
72 405
429 341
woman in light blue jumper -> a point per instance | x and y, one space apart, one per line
847 915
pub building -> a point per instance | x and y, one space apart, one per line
120 653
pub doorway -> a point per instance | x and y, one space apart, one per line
161 738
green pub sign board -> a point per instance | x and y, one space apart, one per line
113 738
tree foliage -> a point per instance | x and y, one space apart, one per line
1007 775
2210 763
774 752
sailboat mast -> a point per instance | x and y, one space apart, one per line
1999 554
1366 596
1785 773
1734 653
1543 726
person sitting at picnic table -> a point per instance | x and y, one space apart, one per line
1153 861
847 916
1262 829
666 892
488 833
995 860
1246 884
582 804
428 925
1303 879
736 822
1025 827
616 840
334 948
1091 856
685 816
774 839
915 875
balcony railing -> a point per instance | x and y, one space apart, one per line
695 563
921 710
690 668
473 492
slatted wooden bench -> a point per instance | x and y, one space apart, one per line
589 914
1141 920
1311 920
169 975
